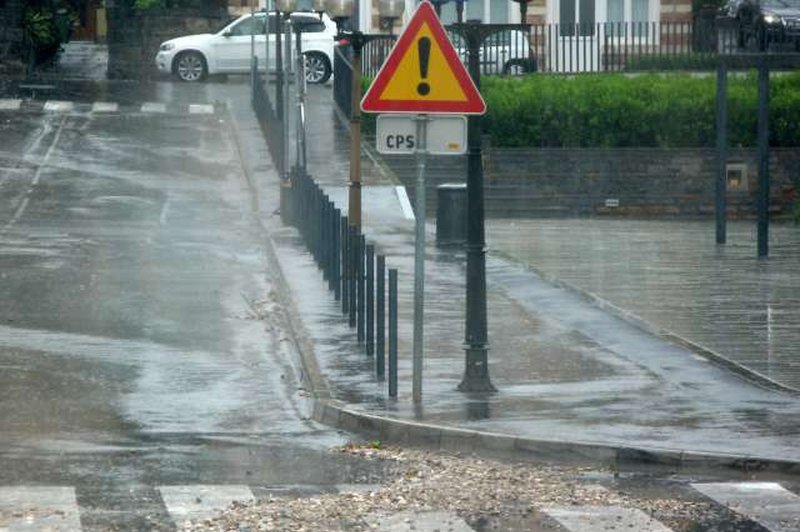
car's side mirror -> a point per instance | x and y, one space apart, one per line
227 34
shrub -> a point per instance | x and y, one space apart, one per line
615 110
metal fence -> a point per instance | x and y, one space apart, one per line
583 48
355 273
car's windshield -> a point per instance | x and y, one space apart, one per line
781 4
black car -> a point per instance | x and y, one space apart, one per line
767 23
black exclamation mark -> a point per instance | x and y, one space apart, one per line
424 47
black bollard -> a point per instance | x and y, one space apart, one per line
380 319
393 332
370 310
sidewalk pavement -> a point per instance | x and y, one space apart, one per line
576 381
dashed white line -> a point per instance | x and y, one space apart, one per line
200 109
57 106
767 503
36 177
152 107
105 107
9 105
602 518
200 502
41 508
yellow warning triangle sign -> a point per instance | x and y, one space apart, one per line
423 73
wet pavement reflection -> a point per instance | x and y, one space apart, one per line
673 275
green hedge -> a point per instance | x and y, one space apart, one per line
614 110
647 111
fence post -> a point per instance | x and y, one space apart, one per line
370 315
380 319
393 332
361 286
336 253
353 273
346 253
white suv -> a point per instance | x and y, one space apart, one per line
193 57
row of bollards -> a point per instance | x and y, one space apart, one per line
354 272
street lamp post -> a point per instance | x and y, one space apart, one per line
476 372
523 11
341 10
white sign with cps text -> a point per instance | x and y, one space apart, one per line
397 134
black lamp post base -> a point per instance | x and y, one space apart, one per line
476 376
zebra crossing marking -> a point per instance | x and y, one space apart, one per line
201 109
9 104
602 518
39 508
105 107
58 106
767 503
201 501
152 107
412 521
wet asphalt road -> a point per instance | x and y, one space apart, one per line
132 277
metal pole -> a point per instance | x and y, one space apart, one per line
419 256
354 197
393 332
722 152
287 64
380 319
361 289
370 315
266 51
300 80
763 159
344 227
476 374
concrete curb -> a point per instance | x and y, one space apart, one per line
631 318
337 414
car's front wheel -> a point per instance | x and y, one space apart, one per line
518 67
191 67
318 68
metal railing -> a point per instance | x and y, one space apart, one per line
354 272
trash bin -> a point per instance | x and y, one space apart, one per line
451 214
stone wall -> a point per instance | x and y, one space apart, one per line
12 50
632 181
134 38
613 182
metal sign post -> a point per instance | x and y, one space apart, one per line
422 75
421 153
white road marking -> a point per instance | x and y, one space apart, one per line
152 107
36 177
405 204
767 503
603 518
105 107
200 502
162 220
45 508
200 109
409 521
9 105
56 106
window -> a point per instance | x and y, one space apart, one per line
308 24
576 18
249 26
635 14
487 11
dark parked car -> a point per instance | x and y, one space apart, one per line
766 23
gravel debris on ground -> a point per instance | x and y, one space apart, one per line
486 493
